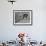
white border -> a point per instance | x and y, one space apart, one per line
22 11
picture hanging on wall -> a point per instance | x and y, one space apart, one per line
22 17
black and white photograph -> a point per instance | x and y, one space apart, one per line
22 16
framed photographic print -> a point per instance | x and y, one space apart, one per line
22 17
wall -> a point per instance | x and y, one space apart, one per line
37 31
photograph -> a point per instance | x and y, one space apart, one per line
22 22
22 17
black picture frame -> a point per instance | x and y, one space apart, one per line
22 17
